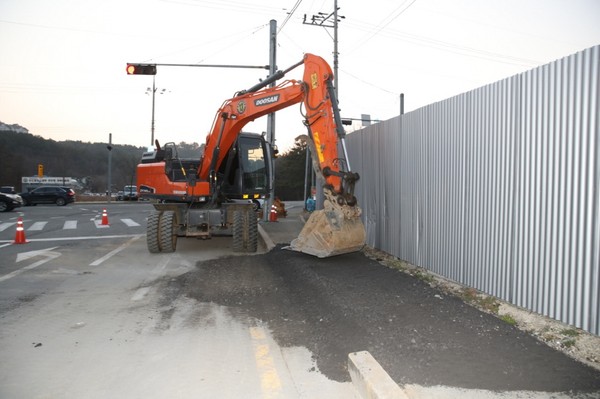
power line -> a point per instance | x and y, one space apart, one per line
450 47
289 15
382 25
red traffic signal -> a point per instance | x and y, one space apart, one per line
141 69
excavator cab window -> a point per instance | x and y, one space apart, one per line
253 165
246 168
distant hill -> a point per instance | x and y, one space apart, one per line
21 152
12 128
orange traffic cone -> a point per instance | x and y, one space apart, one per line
104 218
273 214
20 236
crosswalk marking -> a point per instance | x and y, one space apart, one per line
6 225
67 224
70 225
37 226
130 222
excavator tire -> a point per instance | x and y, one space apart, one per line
167 236
160 232
252 232
152 232
245 231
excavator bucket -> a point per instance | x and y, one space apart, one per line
331 231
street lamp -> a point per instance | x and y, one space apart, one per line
153 91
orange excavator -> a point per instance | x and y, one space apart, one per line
215 194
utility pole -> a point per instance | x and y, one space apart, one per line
401 103
271 116
109 148
323 19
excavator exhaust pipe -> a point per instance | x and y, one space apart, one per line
334 230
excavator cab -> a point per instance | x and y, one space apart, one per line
246 171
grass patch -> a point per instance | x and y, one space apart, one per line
570 332
568 343
468 295
508 319
490 304
423 276
486 303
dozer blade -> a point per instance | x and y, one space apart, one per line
330 232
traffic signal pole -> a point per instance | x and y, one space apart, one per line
150 69
153 96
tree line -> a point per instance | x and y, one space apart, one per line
21 153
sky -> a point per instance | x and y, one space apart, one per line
62 62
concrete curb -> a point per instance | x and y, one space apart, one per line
370 379
266 238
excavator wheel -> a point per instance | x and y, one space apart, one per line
160 232
245 231
168 238
152 232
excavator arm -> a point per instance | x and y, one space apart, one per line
321 115
336 229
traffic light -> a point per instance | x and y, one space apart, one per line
40 170
141 69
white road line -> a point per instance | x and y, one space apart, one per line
70 225
6 225
130 223
37 226
114 252
47 253
136 236
99 225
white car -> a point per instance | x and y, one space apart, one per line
8 202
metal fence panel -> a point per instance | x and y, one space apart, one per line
497 188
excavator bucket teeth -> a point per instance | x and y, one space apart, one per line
330 232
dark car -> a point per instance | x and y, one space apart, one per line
49 195
8 190
8 202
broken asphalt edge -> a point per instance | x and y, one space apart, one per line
369 379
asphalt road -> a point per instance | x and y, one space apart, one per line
350 303
86 311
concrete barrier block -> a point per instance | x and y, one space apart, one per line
370 379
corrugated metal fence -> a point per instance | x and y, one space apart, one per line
497 188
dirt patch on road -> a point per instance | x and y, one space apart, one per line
420 334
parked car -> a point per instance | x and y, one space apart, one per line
49 195
8 202
8 190
130 193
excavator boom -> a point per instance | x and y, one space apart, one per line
336 229
196 197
